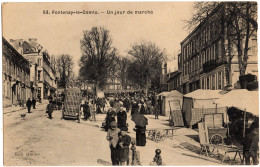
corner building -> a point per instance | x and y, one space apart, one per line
203 55
16 76
43 76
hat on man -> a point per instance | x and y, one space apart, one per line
124 129
113 124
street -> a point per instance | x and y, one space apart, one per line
37 140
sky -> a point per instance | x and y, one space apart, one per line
61 33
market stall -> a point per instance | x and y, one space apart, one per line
171 101
243 109
200 102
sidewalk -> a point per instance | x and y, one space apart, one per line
11 109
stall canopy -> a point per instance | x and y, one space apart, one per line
171 101
242 99
205 94
204 98
163 94
200 102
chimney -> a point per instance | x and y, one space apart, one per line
17 44
33 40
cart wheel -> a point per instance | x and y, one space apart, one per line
216 139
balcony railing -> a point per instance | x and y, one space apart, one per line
212 64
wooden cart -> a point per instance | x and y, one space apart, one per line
214 124
71 108
158 134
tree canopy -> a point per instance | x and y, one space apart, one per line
98 56
146 64
64 66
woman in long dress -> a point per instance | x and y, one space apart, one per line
140 135
140 127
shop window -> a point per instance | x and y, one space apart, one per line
39 92
213 82
207 82
39 75
219 81
39 62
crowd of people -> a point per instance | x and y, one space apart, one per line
137 105
116 124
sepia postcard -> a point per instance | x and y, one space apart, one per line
130 83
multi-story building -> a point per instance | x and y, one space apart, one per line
113 84
42 77
174 81
16 76
175 78
163 78
204 54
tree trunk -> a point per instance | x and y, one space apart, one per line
147 86
239 49
245 58
230 57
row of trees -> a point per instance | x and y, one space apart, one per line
100 61
63 66
142 66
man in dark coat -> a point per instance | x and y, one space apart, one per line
29 105
49 109
123 149
102 104
127 104
98 104
110 118
134 109
86 110
142 108
250 146
156 110
121 118
159 101
33 103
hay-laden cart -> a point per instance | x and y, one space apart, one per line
72 103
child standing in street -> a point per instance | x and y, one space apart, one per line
113 137
123 150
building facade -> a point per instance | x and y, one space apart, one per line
174 81
163 78
16 76
42 77
203 57
113 84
